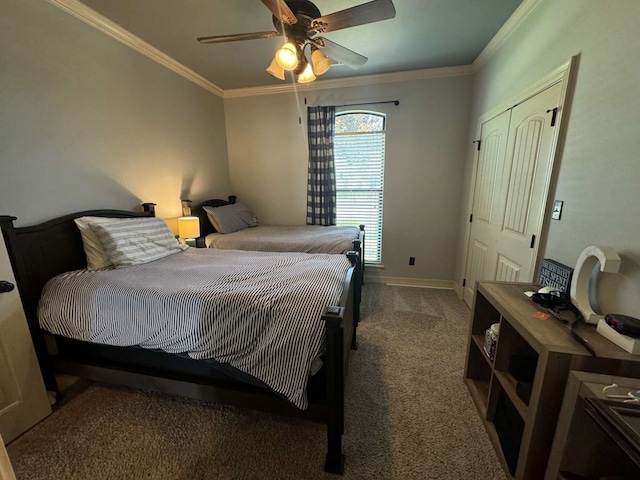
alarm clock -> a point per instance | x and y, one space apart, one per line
623 324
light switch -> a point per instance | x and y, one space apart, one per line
557 209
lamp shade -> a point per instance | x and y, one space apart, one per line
276 70
287 56
321 63
189 227
307 75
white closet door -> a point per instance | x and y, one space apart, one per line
488 198
23 399
511 191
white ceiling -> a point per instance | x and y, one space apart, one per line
424 34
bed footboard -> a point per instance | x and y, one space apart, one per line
341 328
333 316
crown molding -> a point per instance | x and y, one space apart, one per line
103 24
514 21
405 76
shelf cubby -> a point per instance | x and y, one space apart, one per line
509 426
479 374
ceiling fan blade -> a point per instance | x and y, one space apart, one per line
370 12
281 11
339 53
239 36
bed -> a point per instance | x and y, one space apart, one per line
41 252
248 235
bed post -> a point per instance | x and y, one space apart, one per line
358 263
333 317
362 259
149 207
355 258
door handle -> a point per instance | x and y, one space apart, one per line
6 286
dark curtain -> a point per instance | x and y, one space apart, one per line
321 177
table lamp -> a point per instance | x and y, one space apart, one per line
189 229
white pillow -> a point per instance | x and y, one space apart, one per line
132 241
97 257
231 218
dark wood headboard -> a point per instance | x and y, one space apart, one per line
205 225
40 252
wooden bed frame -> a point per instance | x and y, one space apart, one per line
206 228
39 252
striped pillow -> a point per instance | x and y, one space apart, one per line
132 241
97 258
231 218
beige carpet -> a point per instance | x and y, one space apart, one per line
408 416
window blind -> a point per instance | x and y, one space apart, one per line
359 164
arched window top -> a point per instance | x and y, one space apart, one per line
359 122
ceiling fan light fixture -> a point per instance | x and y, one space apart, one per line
298 22
321 63
276 70
307 75
287 56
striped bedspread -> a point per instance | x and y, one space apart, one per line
287 238
257 311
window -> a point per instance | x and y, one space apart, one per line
359 161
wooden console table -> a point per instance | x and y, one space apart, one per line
518 394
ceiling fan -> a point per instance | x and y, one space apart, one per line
300 21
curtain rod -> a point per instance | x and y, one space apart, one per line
395 102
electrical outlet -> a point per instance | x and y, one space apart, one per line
412 260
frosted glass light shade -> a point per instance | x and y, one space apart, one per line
276 70
321 63
307 75
189 227
287 56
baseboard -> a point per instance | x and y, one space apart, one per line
410 282
458 288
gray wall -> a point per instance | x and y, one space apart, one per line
423 170
89 123
599 168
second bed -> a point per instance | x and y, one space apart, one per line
244 233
